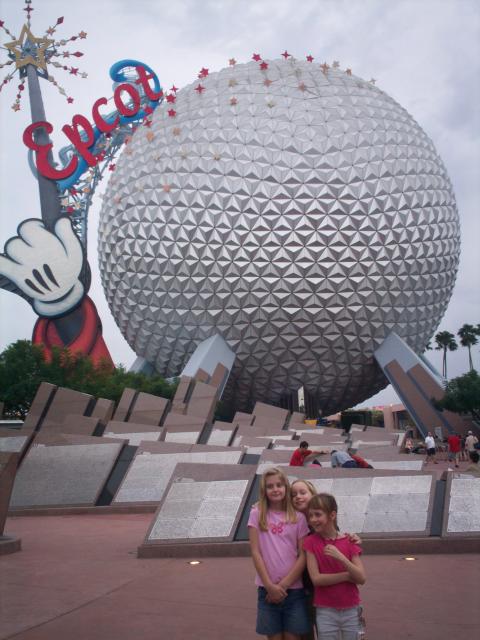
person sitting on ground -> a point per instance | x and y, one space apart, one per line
474 468
303 454
342 459
361 462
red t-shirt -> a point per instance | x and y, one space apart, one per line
343 595
454 444
298 457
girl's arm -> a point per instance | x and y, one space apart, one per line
324 579
354 567
297 569
276 592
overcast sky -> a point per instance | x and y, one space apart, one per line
424 53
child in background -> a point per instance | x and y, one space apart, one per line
335 569
276 533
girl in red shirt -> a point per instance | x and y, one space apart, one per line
335 569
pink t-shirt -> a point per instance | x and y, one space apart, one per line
338 596
279 545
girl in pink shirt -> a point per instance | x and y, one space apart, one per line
335 569
276 532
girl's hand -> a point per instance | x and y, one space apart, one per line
354 537
332 551
276 593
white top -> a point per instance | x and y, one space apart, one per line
430 442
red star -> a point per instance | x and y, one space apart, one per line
257 57
171 98
66 54
310 58
232 62
264 66
172 113
203 73
69 100
82 35
286 55
73 71
199 89
111 167
174 89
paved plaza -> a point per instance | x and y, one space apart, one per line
78 577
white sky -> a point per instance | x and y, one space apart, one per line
424 53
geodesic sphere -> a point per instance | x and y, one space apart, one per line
298 211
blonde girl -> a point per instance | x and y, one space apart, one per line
276 533
335 569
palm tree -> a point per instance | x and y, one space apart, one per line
468 337
445 342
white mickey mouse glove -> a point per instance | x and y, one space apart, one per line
45 265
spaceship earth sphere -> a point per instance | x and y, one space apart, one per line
291 207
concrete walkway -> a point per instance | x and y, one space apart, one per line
78 578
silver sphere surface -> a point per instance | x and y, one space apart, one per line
296 210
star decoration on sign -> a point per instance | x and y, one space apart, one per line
203 73
171 98
232 62
264 66
310 58
257 57
199 88
174 89
233 101
29 51
171 113
286 55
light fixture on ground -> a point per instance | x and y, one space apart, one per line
194 563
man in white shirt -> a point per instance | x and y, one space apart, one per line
470 442
430 447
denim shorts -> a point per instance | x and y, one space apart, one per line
289 615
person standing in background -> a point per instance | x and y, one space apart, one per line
431 449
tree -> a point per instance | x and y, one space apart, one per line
23 368
445 341
462 395
468 338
